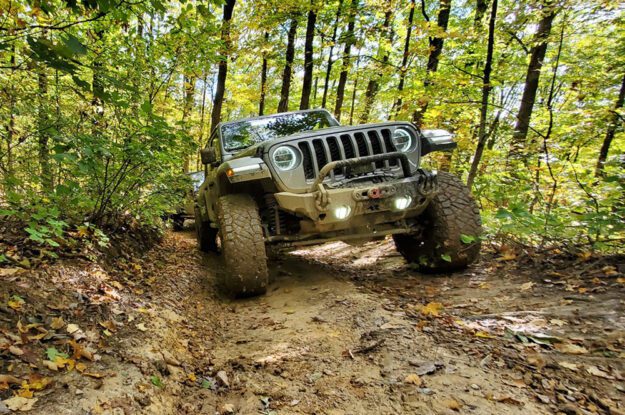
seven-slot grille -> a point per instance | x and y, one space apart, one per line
319 151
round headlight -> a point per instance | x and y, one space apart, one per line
285 158
402 140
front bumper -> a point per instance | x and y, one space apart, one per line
368 203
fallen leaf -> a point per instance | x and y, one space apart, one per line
527 286
80 351
453 404
413 379
141 327
72 328
507 399
557 322
223 378
50 365
570 348
16 350
95 375
228 408
484 335
595 371
5 272
16 302
568 365
10 379
609 270
192 377
17 403
57 323
431 309
81 367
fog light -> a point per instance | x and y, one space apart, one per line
342 212
402 202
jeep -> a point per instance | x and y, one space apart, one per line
300 178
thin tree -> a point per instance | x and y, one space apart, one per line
486 88
222 70
283 105
263 77
532 78
189 93
397 105
611 132
436 48
330 60
308 58
374 82
349 42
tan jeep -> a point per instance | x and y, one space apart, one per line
300 178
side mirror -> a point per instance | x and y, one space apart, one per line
208 155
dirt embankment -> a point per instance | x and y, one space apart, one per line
343 330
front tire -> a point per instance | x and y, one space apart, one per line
450 238
243 246
206 236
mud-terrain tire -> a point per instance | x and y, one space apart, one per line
242 245
451 216
206 236
178 223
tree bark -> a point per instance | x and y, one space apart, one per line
537 55
397 105
189 93
263 78
349 41
436 48
308 59
330 61
283 105
43 126
611 132
374 83
222 70
486 88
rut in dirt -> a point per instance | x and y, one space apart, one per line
343 330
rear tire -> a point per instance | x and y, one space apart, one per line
243 246
206 236
178 223
451 216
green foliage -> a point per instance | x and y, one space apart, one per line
102 112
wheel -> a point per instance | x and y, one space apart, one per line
242 245
178 223
450 237
206 236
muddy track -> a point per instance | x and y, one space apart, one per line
319 342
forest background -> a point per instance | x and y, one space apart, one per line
104 104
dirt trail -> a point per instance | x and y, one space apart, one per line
341 331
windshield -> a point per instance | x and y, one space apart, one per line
241 134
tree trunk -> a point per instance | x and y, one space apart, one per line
486 88
397 105
263 78
189 93
436 48
537 55
349 41
374 83
611 132
283 105
308 59
330 61
43 126
353 104
222 70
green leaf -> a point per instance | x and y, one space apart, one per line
156 381
52 353
446 257
467 239
207 384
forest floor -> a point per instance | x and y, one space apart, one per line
342 330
